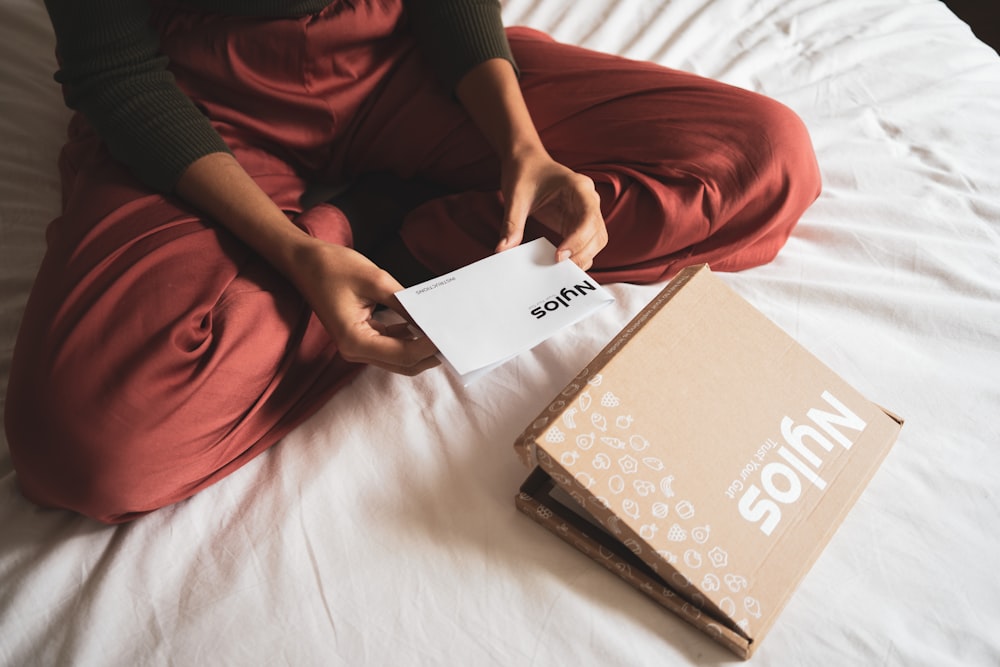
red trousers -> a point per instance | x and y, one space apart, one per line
158 354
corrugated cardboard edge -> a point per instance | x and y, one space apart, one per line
592 505
578 534
525 445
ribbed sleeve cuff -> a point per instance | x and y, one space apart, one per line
156 130
111 71
457 35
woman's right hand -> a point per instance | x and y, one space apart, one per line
344 287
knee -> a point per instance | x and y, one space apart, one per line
61 462
784 180
75 446
781 181
791 154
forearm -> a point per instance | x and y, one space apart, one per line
492 96
218 186
340 285
532 183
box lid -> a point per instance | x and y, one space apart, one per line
715 447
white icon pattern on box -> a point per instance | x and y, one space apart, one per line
601 440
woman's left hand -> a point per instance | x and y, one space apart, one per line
533 184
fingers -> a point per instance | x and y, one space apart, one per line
588 234
575 212
516 211
563 200
344 288
394 348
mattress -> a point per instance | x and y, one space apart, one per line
383 530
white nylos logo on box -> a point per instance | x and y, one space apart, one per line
780 482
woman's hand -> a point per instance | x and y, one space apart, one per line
533 184
531 181
344 287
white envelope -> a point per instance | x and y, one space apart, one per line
488 312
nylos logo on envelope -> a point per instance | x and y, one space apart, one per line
487 312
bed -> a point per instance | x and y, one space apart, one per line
383 531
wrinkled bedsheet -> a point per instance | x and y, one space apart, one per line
383 530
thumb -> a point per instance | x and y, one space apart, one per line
515 214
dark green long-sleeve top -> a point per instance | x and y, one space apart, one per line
112 70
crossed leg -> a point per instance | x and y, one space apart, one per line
689 170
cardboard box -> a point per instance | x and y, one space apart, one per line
705 457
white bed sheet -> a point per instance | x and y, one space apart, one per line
383 531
